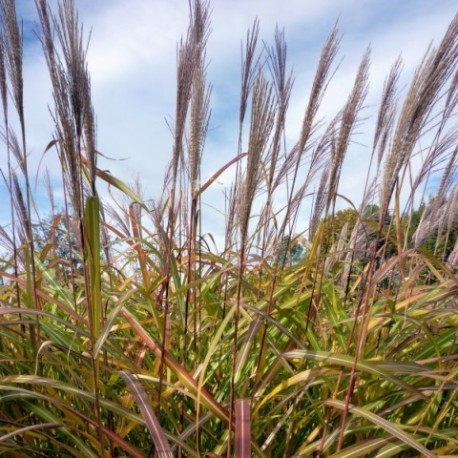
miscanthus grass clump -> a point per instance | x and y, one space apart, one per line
122 333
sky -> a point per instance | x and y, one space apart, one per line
132 62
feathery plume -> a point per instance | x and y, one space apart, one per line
13 51
283 86
262 117
3 84
349 119
437 67
387 111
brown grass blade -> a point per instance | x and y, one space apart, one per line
218 173
183 375
242 428
160 441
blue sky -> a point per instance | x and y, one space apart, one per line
132 59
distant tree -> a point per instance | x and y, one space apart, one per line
291 251
333 226
440 241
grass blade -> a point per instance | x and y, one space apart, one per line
181 373
242 428
386 425
160 441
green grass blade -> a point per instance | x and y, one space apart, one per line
92 247
389 427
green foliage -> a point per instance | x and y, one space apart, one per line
334 224
291 251
440 243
